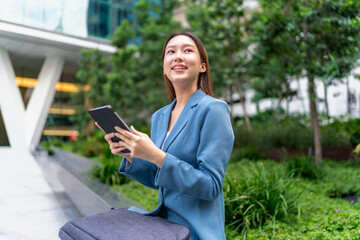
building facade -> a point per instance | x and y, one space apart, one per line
40 43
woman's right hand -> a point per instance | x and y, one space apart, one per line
115 147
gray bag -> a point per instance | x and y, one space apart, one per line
123 224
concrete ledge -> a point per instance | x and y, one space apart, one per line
90 196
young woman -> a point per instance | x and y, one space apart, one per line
190 146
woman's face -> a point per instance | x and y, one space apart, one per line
182 64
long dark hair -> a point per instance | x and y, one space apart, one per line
204 81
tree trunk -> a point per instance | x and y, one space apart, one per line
312 100
301 97
257 107
348 97
288 98
273 104
242 102
326 100
287 110
279 103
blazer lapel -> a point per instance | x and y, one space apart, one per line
163 124
183 118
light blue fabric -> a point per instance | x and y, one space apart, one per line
191 178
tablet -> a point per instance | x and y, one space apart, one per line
107 118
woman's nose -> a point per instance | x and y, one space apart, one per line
179 56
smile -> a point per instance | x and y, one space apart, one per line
179 67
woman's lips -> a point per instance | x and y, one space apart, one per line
179 68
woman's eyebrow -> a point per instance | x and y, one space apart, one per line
183 46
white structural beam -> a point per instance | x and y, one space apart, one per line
11 103
24 127
40 100
65 41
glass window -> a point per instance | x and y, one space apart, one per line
82 18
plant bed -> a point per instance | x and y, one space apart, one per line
321 216
352 198
333 153
319 210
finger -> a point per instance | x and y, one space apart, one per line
108 137
126 145
122 137
99 126
126 136
120 130
135 131
116 146
118 151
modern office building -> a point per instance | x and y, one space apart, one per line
40 43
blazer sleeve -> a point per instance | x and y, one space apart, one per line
213 154
140 170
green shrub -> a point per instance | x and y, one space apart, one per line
304 166
335 135
106 170
93 145
321 217
271 130
355 160
357 150
248 152
341 180
53 142
273 133
353 128
255 193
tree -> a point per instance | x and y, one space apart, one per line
272 61
315 34
91 79
220 25
131 79
136 74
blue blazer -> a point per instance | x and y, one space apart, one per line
190 180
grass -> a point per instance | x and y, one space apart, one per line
256 192
145 196
323 214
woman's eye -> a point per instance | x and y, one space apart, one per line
188 50
171 51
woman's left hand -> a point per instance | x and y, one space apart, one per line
140 146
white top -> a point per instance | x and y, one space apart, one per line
162 145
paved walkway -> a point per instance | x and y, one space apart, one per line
33 205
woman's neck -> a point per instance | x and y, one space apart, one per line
183 96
